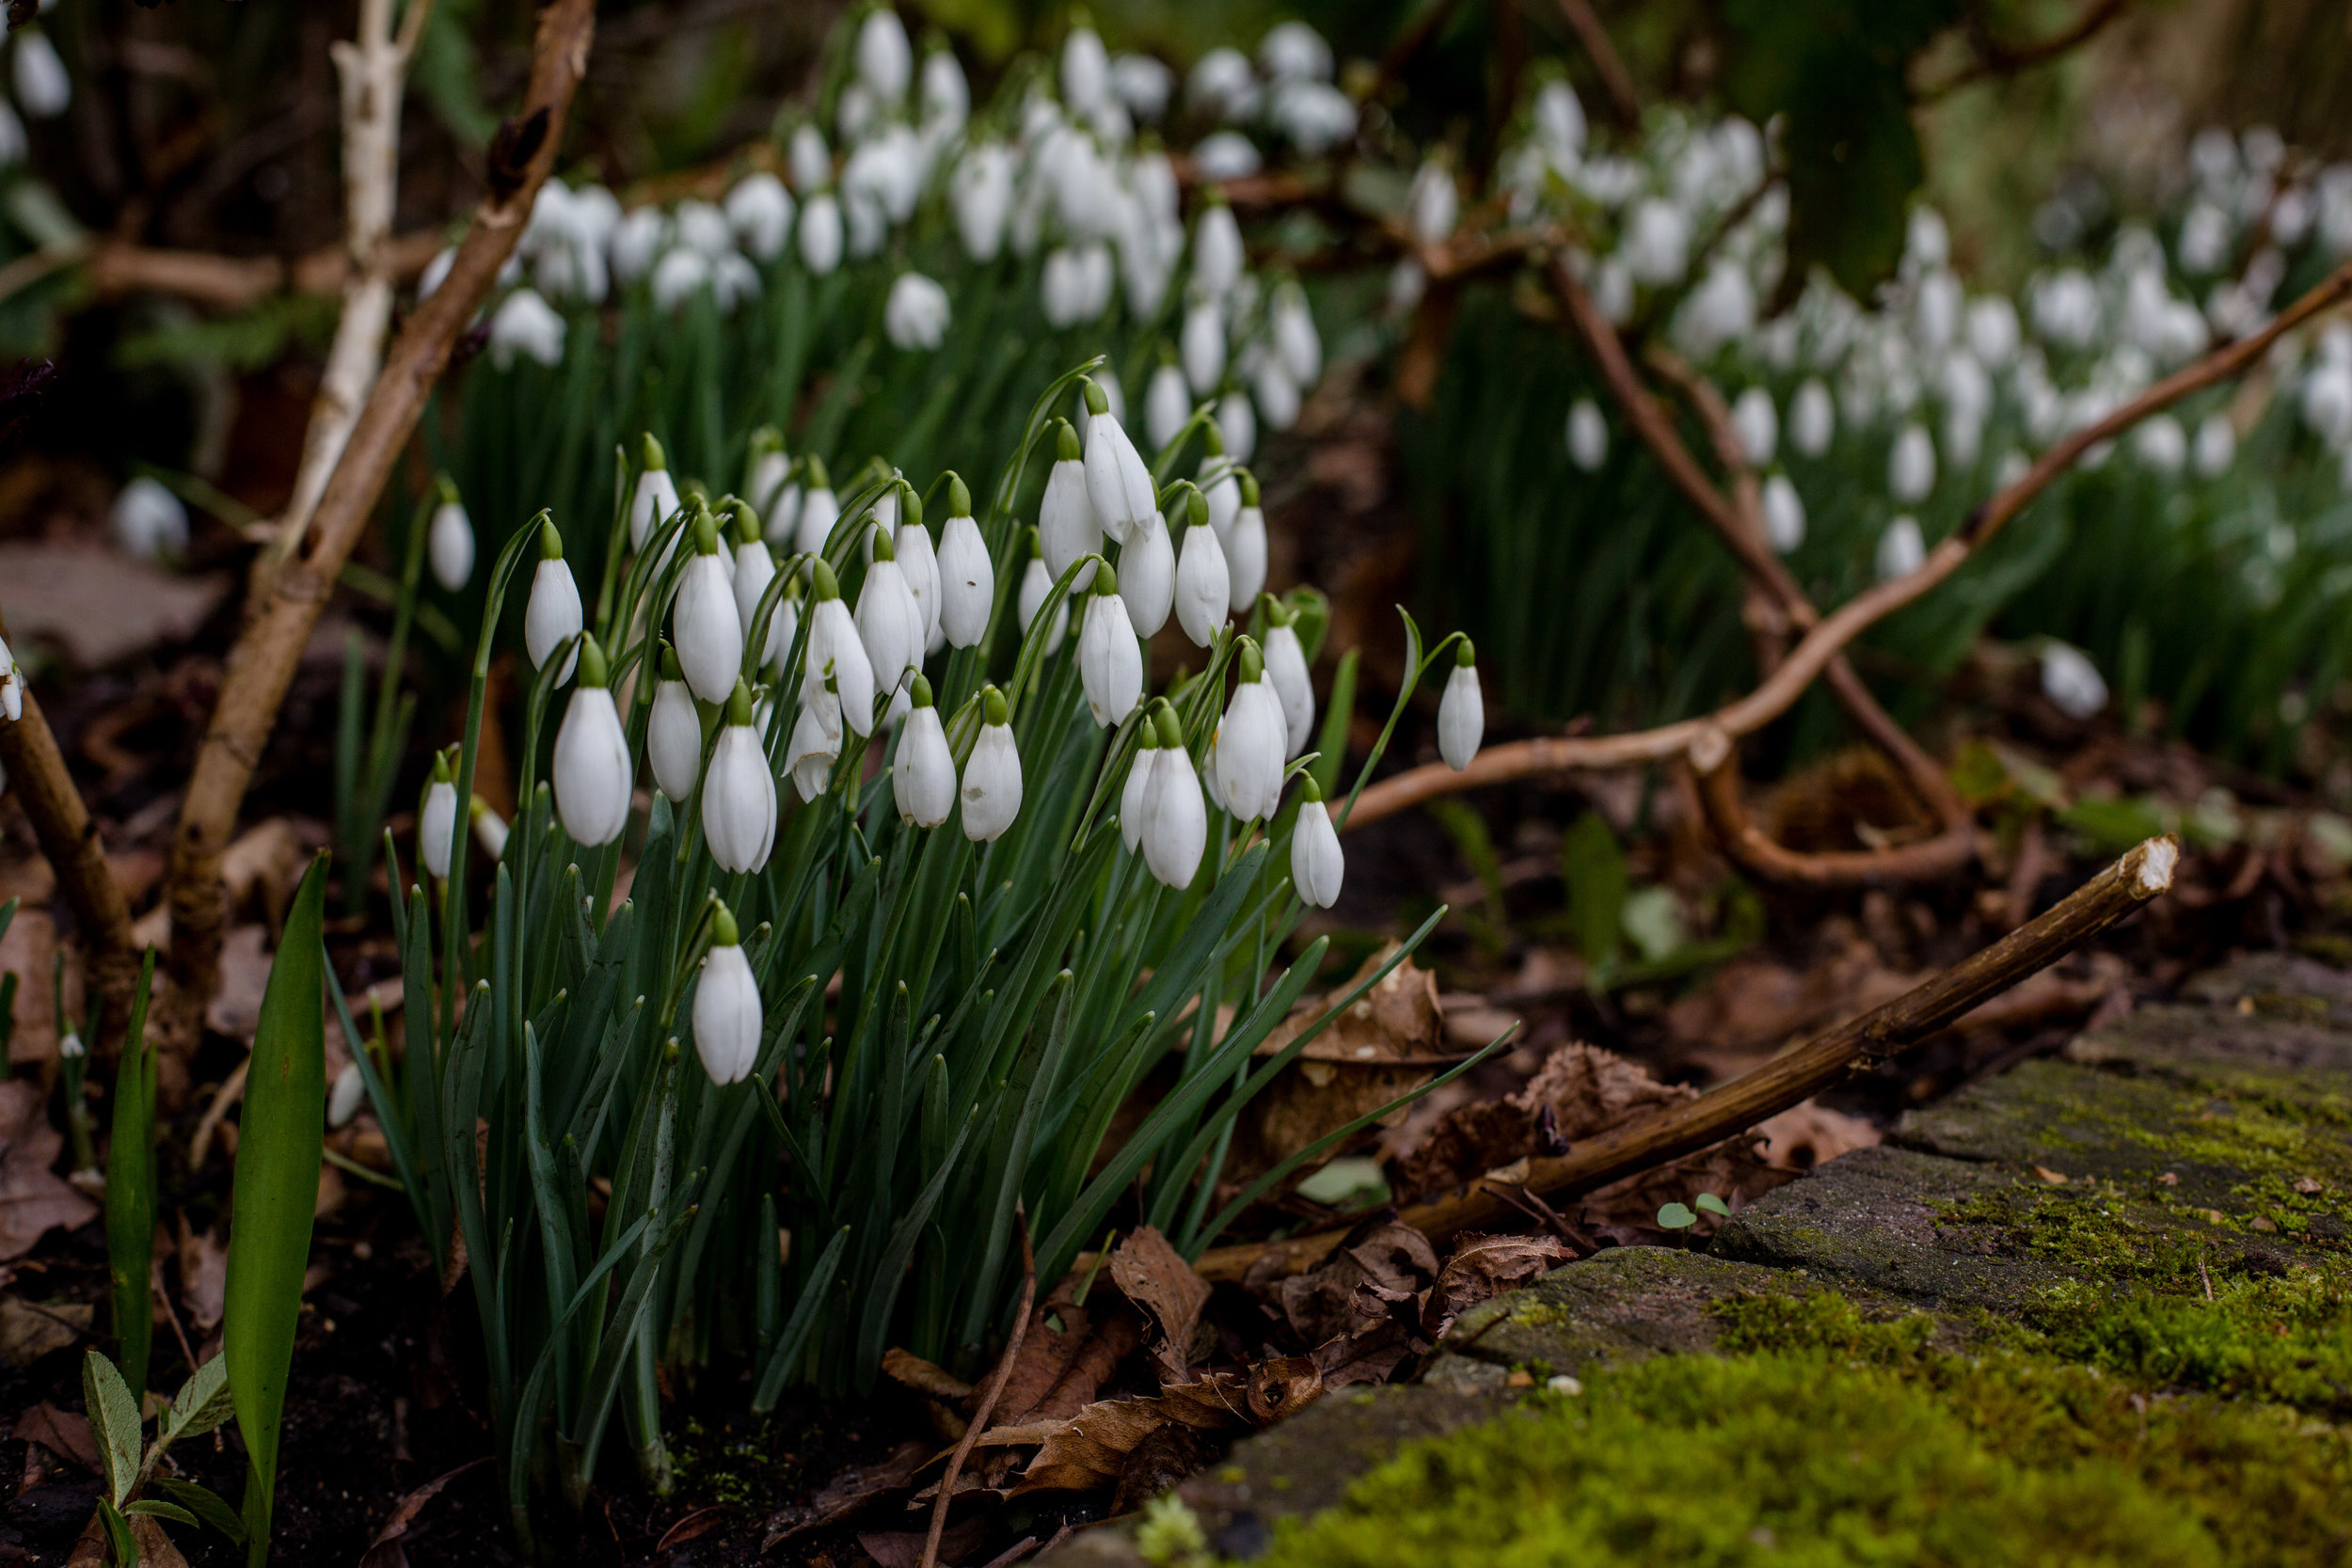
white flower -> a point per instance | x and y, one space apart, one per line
1316 116
1118 482
1560 123
915 315
821 509
554 612
923 775
490 830
946 95
1066 527
1245 549
1901 549
837 652
1720 310
1110 661
740 795
1286 666
1217 251
1462 711
1201 345
528 325
759 211
889 622
1175 819
766 475
1277 395
918 563
1036 584
437 824
1222 83
1317 867
1812 419
991 791
592 771
2217 445
1143 84
653 500
1203 586
1167 405
2161 443
1911 466
681 273
1993 332
1226 155
71 1047
1784 514
1588 434
707 627
1237 426
1147 576
811 161
885 61
1296 342
1657 242
11 685
449 543
1434 202
343 1098
821 239
1134 796
42 86
815 745
1757 422
674 733
1293 51
1250 740
1086 71
1223 492
755 569
967 579
2071 681
150 521
980 192
727 1016
637 243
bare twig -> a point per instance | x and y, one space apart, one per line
238 283
287 607
1995 58
1586 23
988 1401
1732 1108
1715 760
69 839
1822 644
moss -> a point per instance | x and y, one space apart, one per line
739 1464
1831 1437
2285 1338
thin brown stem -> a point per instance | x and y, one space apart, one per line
1995 58
1586 23
988 1401
1715 762
1732 1108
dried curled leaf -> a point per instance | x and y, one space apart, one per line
1153 1276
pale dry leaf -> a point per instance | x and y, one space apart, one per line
1809 1133
1380 1265
1067 1354
203 1276
29 952
1586 1090
30 1330
98 606
384 1550
906 1368
33 1198
1153 1276
846 1494
1482 1268
235 1006
62 1433
1090 1449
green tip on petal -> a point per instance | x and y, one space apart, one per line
920 692
1215 438
766 438
994 709
653 453
1197 505
1096 402
883 549
818 478
1170 727
1309 791
594 669
448 488
705 532
822 582
551 541
740 703
910 508
724 931
440 767
1276 612
1066 448
1105 580
746 522
1248 487
671 671
1148 733
1465 653
1247 658
959 494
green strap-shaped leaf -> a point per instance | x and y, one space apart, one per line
282 1132
131 1189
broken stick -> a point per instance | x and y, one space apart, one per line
1732 1108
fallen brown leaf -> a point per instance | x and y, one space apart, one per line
101 606
29 952
906 1368
845 1494
62 1433
1067 1354
1370 1354
384 1550
33 1198
1090 1449
1808 1134
1153 1276
1392 1262
203 1276
235 1006
1482 1268
692 1527
1586 1090
904 1549
30 1330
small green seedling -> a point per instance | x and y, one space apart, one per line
202 1404
1680 1216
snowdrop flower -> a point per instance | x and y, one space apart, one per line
704 619
1110 661
1142 84
1237 426
821 237
681 273
1316 116
918 563
1657 242
2217 445
1175 819
915 315
1294 51
1086 71
592 771
889 622
1993 334
150 522
1203 586
344 1098
1037 583
1217 250
1560 123
1276 394
654 497
674 732
815 744
1613 291
637 243
2071 681
1462 711
449 542
740 796
885 61
554 614
755 569
1911 466
1223 83
1147 575
1434 202
1118 482
1221 484
1286 666
946 93
1066 527
923 774
1812 419
528 325
1134 796
1901 549
1317 867
1167 405
490 830
819 510
437 822
1588 435
759 211
766 471
811 161
11 684
782 629
1720 310
1292 325
2161 443
1757 422
1247 752
1935 309
836 653
42 88
1245 547
1201 343
980 193
966 576
727 1016
1063 289
2066 309
991 791
1784 514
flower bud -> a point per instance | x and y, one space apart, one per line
1812 420
923 775
1175 820
449 543
821 237
490 830
707 627
437 823
1110 661
554 612
350 1092
755 570
1147 576
1132 799
889 623
836 653
821 509
1245 547
1167 405
1901 549
1462 712
150 521
592 769
674 733
1249 741
992 776
967 579
1588 434
1066 526
918 564
2072 682
1201 345
727 1016
1910 464
1119 483
654 497
740 796
1203 586
766 471
1756 423
1784 514
1317 867
1286 666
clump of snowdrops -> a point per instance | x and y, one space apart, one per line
773 1061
